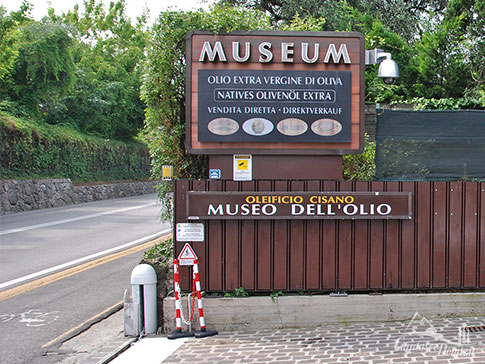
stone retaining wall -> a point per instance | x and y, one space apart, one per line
19 196
260 313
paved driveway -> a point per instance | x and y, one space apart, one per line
416 341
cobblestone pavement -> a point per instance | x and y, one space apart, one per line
415 341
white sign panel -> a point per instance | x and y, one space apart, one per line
190 232
242 167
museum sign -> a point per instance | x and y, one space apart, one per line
275 92
299 205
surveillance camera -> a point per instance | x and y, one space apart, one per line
388 80
388 71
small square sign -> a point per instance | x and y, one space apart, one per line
214 174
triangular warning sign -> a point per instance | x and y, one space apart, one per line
187 255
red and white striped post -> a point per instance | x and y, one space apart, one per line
178 333
199 295
203 331
176 283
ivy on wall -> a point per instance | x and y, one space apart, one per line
29 150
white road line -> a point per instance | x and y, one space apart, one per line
84 259
72 219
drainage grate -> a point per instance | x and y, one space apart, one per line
475 328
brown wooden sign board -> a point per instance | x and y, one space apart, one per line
266 92
299 205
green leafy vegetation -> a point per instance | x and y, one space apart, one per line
76 70
66 75
439 45
163 88
162 249
160 258
238 292
466 102
274 295
361 167
29 150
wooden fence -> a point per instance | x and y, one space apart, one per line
441 248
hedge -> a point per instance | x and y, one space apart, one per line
30 150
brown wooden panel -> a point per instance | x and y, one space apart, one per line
312 247
248 244
392 248
263 252
344 271
280 247
455 227
180 206
439 234
376 260
296 248
231 248
200 248
470 235
290 167
482 236
329 246
423 219
215 249
408 244
361 247
284 167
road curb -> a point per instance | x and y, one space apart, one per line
122 348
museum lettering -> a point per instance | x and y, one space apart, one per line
286 52
307 210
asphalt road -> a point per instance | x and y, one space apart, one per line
62 268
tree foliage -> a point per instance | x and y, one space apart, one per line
402 16
164 81
77 69
36 63
105 100
9 26
439 45
43 71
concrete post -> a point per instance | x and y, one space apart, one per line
144 293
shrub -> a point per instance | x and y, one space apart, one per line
28 150
361 167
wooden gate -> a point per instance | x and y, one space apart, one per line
441 248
